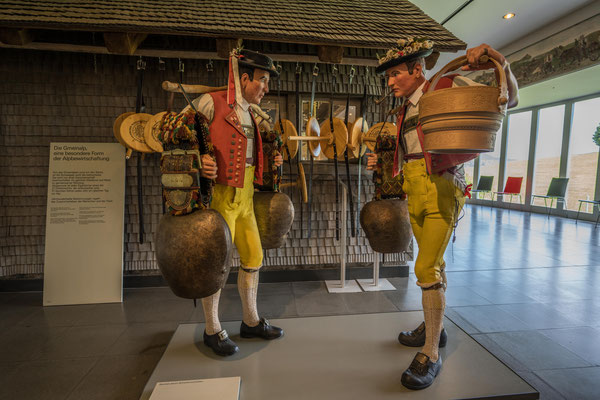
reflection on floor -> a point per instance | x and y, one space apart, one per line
522 285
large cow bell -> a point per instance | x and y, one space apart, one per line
274 213
193 252
387 225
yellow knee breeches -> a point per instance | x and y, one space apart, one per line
433 205
237 207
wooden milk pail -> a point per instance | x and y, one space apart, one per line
463 119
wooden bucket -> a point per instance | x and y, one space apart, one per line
463 119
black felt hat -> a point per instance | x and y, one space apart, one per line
407 50
253 59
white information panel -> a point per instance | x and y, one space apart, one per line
200 389
84 224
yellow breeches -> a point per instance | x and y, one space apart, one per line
237 207
434 203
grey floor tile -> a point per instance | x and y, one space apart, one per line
57 315
539 316
490 319
101 314
575 383
546 391
493 347
23 343
406 300
46 380
116 377
168 308
463 296
585 311
583 341
275 288
501 294
321 304
147 338
536 351
460 321
368 302
282 305
81 341
301 289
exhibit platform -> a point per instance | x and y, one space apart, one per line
339 357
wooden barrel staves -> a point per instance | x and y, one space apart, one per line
463 119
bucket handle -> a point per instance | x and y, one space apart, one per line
462 61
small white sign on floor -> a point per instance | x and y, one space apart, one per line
199 389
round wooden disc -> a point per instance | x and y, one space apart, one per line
288 130
151 131
302 183
359 128
313 129
376 130
340 133
132 132
117 127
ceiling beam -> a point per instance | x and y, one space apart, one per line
16 36
123 42
330 54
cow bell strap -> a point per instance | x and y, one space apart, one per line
285 146
364 117
298 125
348 179
335 159
139 105
315 73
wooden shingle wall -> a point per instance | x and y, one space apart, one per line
71 97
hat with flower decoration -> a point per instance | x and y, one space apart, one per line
406 50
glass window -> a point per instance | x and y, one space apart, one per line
489 163
547 149
583 157
517 148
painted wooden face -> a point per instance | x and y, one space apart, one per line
401 82
254 90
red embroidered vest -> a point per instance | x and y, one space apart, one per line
229 140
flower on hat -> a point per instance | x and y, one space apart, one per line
406 47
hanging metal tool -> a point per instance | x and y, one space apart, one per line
348 180
139 107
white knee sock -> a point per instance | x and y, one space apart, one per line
434 302
248 289
210 305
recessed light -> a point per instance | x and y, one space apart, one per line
509 16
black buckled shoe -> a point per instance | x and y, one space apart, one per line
220 343
263 330
421 372
416 338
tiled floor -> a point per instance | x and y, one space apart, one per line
522 285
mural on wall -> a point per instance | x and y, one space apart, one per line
572 49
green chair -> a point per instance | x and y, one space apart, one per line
556 191
484 185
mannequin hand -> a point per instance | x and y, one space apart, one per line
278 160
371 161
209 167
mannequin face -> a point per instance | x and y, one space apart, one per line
401 82
254 90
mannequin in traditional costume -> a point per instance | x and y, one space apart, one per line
435 186
237 166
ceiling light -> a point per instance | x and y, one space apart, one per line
509 16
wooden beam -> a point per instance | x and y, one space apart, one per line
122 42
192 55
330 54
16 36
224 46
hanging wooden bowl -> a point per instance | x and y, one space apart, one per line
288 130
339 134
151 131
132 132
357 130
463 119
313 129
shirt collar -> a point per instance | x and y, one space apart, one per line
416 96
242 102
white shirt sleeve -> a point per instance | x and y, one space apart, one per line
205 105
